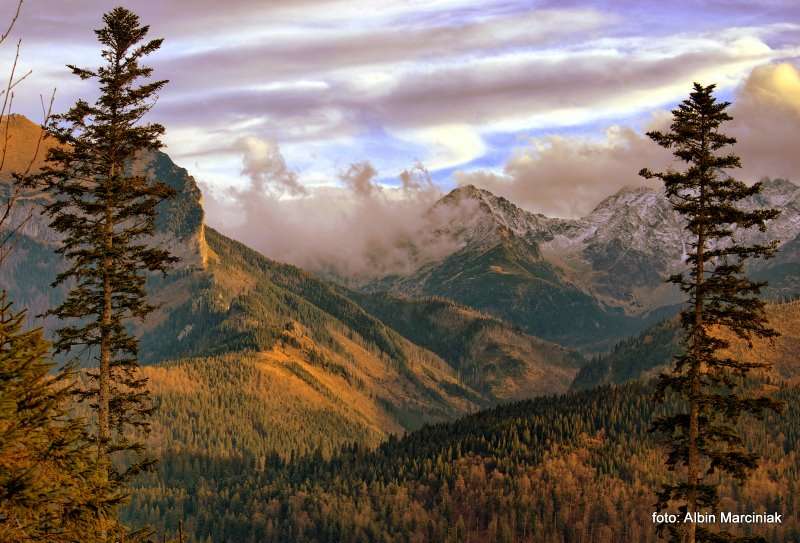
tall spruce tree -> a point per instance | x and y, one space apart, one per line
106 216
49 491
703 439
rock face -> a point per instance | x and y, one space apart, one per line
31 267
584 281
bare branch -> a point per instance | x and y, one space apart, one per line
19 180
5 109
12 23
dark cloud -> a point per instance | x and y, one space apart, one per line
480 93
483 94
300 54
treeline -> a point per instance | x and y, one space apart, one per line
578 468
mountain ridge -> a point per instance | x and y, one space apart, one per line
605 271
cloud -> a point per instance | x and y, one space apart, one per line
359 179
361 229
365 229
446 145
264 165
433 80
495 89
275 98
766 122
568 175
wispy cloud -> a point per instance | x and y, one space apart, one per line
360 230
429 79
295 109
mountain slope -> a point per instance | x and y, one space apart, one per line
501 269
652 351
489 355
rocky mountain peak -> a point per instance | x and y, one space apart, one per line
619 253
488 217
628 199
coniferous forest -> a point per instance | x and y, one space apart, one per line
531 331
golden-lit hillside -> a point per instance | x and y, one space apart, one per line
23 143
296 396
648 354
782 353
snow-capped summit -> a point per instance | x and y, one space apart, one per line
620 253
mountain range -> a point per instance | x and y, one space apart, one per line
585 282
497 318
312 349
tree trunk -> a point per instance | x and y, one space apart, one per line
104 393
104 385
693 460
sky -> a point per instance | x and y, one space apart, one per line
342 115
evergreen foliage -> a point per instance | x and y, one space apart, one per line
493 357
653 350
702 439
48 488
578 468
106 217
632 358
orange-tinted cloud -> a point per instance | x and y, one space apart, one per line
567 176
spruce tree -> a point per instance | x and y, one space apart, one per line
703 439
106 214
48 488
